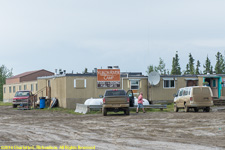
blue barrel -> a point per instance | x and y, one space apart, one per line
42 102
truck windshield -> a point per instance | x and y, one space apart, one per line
22 94
115 93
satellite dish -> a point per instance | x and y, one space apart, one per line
154 78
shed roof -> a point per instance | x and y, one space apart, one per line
26 74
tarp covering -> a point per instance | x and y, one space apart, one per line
94 101
99 101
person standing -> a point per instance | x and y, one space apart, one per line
140 102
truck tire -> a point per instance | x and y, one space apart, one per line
196 109
104 112
127 111
186 108
14 106
176 109
207 109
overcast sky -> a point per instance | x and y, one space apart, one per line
131 34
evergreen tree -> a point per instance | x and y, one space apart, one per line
187 71
85 71
211 70
176 70
197 71
220 66
191 67
208 68
4 73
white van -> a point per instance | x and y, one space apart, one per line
196 97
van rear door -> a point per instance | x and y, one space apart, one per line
202 95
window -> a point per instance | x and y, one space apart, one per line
36 87
49 83
20 88
14 89
169 83
214 83
4 89
31 87
115 93
25 87
80 83
180 92
10 89
134 84
186 92
22 93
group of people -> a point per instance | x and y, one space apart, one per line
140 102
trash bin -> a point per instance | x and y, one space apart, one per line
42 102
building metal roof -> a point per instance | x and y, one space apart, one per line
26 74
130 75
122 74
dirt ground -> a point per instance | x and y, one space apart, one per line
156 130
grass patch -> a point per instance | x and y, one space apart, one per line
71 111
62 110
5 104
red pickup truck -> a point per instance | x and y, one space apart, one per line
21 97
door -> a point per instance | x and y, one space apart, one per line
131 97
214 87
179 98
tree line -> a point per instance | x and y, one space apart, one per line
191 68
4 73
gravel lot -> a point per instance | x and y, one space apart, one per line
156 130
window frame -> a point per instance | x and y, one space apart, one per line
10 89
136 84
170 81
181 91
32 87
75 83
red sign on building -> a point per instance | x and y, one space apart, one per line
108 77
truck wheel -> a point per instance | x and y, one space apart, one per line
127 111
104 112
186 108
196 109
207 109
176 109
14 106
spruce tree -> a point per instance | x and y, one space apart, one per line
197 71
191 64
187 71
220 67
176 70
208 68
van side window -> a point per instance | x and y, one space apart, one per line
180 93
185 92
